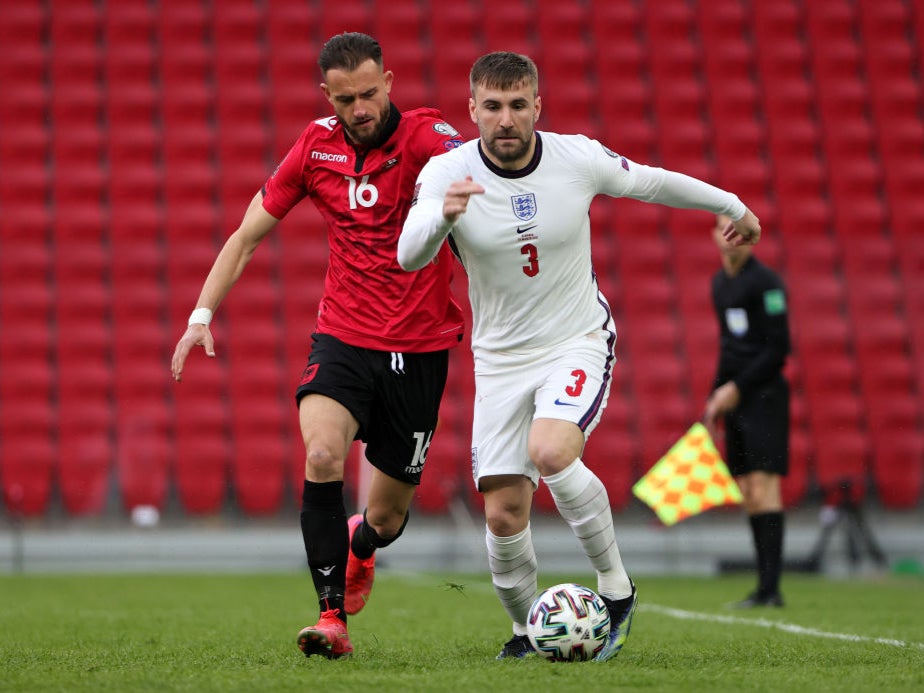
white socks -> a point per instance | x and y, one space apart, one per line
514 572
582 501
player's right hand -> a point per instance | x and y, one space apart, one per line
456 200
195 335
745 231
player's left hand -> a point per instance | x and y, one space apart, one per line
745 231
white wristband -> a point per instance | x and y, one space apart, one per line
200 316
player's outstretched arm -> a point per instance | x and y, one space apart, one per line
226 270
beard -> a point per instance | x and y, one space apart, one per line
368 136
509 151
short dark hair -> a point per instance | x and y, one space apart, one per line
504 70
349 50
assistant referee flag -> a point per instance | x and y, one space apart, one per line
689 479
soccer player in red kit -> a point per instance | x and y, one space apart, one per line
379 352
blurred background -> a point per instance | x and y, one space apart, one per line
134 133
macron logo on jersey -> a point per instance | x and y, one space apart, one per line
326 156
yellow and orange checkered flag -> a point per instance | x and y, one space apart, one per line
689 479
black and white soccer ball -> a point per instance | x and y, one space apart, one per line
568 623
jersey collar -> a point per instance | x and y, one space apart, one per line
519 173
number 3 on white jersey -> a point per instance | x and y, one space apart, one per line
364 194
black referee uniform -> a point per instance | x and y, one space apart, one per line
754 342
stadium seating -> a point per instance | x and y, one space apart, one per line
132 136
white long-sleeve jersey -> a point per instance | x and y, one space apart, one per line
525 242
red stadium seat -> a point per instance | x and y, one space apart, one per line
842 98
135 105
899 139
612 454
84 144
26 471
201 470
777 20
882 336
629 98
722 20
887 62
23 69
877 293
23 22
142 469
340 17
643 254
614 23
399 23
86 454
187 106
24 143
444 477
841 455
800 178
736 110
258 470
235 105
856 179
661 422
830 21
562 23
781 62
884 22
823 349
456 28
238 24
185 70
898 470
792 139
838 60
509 26
28 421
794 485
201 422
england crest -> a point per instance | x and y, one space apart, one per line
524 206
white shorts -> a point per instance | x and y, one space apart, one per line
570 382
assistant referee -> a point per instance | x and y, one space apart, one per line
751 397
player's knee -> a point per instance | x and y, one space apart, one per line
762 492
550 459
385 531
323 463
507 503
504 519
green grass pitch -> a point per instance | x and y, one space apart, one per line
430 632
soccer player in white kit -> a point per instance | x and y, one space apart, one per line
515 205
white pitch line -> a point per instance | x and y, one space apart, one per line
779 625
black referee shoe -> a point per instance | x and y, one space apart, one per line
756 599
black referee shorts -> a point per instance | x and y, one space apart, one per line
757 432
394 396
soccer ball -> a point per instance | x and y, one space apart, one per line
568 623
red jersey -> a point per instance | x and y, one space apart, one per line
364 196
